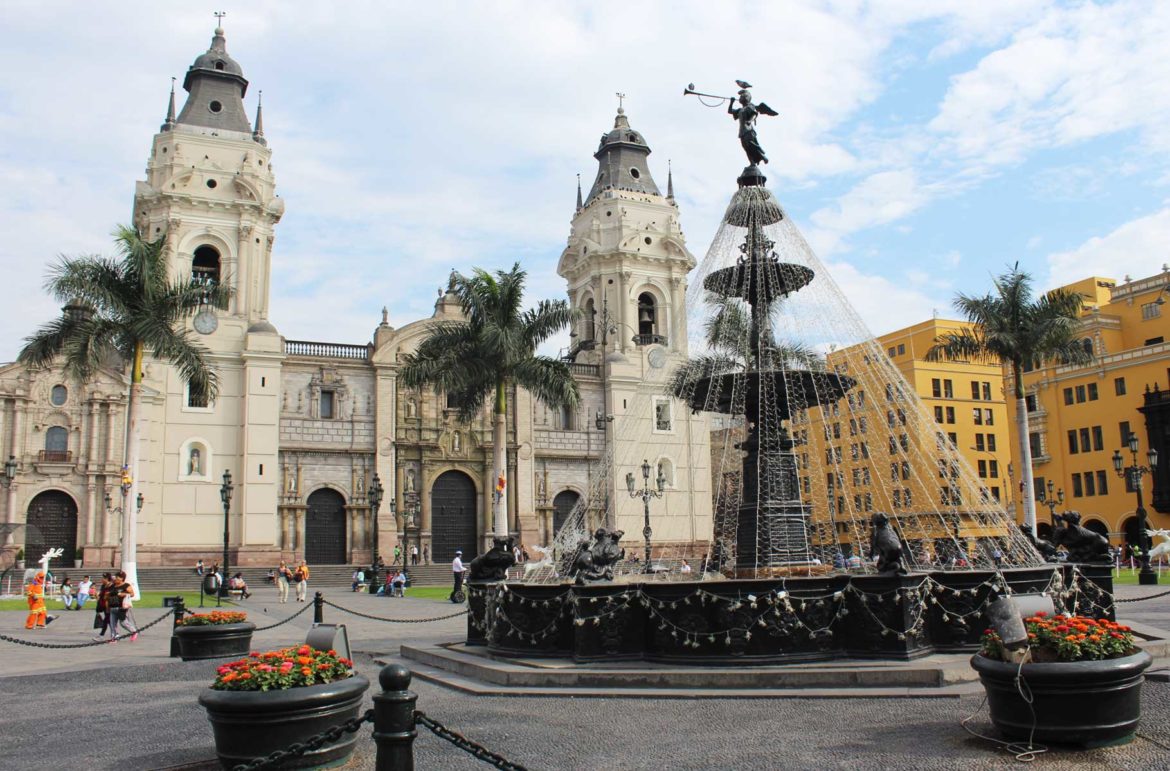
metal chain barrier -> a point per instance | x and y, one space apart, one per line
90 644
1139 599
285 621
463 612
467 745
315 742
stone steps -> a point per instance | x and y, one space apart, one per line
474 671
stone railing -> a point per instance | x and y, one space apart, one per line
327 350
586 370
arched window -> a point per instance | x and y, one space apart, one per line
647 319
565 418
56 444
205 264
1087 344
58 395
590 321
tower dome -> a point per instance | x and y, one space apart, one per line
621 160
216 86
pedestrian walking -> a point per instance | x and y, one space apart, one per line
301 579
34 592
121 604
414 554
457 572
397 554
101 620
283 575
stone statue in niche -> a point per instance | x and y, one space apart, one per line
408 481
456 442
361 484
292 480
540 487
411 408
195 462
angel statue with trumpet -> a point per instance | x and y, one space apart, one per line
746 114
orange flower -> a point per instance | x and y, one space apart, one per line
306 671
304 660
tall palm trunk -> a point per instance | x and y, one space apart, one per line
1022 436
499 463
130 492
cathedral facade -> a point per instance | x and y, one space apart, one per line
306 428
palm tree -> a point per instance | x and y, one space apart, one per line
1009 326
728 336
119 310
495 348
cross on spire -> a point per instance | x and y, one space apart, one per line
620 97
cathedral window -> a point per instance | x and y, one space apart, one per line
205 264
58 394
662 416
196 400
56 444
590 321
327 405
648 320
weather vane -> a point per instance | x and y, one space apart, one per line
745 114
219 17
620 97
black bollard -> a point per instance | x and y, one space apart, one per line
394 731
318 608
180 610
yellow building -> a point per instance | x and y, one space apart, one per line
965 398
1079 415
937 460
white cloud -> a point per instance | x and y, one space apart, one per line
879 199
1139 247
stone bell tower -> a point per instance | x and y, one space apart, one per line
210 189
626 265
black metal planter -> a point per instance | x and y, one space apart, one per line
214 641
251 724
1083 703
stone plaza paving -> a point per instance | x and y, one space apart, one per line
130 706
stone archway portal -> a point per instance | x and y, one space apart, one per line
453 522
52 524
325 528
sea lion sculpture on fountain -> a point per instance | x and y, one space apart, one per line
1083 544
886 546
493 564
595 558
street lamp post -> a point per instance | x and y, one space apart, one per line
10 471
376 491
225 495
1052 502
1133 473
112 509
646 493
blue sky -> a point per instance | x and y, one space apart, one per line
922 146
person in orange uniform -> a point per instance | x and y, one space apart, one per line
35 593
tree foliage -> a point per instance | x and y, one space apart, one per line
1010 325
118 307
495 347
